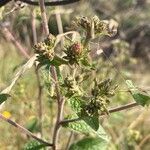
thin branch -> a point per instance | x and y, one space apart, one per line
69 140
144 140
57 124
54 76
138 120
59 24
54 3
9 36
60 100
33 25
120 108
116 109
44 17
24 130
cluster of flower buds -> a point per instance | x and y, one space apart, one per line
83 22
95 107
104 88
73 53
71 86
91 108
95 26
50 40
100 98
99 27
45 49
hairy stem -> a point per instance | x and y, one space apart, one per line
33 25
24 130
60 100
57 124
44 17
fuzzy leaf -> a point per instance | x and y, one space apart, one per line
3 97
82 127
76 104
79 126
141 99
85 63
93 122
33 145
89 144
139 96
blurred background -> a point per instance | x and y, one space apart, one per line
126 56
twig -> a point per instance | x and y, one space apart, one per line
112 133
69 140
138 120
127 106
24 130
60 106
54 3
60 100
9 36
33 25
145 139
59 25
43 16
120 108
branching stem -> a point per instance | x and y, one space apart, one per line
112 110
24 130
60 100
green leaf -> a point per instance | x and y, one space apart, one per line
93 122
3 97
56 61
141 99
33 145
85 63
139 96
79 126
82 127
89 144
76 104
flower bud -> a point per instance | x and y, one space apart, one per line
76 48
